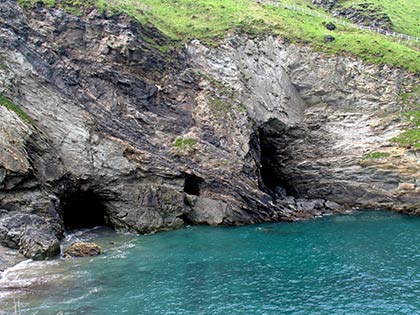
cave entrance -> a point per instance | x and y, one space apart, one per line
83 209
192 185
274 153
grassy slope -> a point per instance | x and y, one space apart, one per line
210 20
405 14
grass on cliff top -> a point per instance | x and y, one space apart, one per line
212 20
15 108
405 14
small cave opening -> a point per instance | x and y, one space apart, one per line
82 209
192 185
273 141
186 218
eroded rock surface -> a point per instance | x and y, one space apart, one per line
143 141
340 110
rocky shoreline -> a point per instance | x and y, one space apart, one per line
122 134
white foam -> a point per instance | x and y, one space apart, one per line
25 275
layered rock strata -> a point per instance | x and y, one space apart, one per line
142 140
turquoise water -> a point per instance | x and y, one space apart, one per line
366 263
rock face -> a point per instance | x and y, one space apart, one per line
318 116
125 135
82 250
118 130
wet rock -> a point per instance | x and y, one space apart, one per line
310 205
334 206
208 211
39 244
34 236
82 250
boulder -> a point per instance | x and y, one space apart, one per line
329 39
34 236
82 249
330 26
39 244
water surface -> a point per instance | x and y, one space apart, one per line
366 263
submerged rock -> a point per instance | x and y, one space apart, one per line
82 250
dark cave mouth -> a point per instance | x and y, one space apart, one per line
192 185
273 139
83 209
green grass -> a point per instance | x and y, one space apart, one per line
212 20
15 108
405 14
376 155
409 138
71 6
185 143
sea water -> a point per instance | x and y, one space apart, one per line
364 263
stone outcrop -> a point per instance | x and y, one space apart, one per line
82 250
125 135
318 117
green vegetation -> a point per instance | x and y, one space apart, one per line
185 143
71 6
411 137
13 107
222 99
211 20
220 105
405 15
376 155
